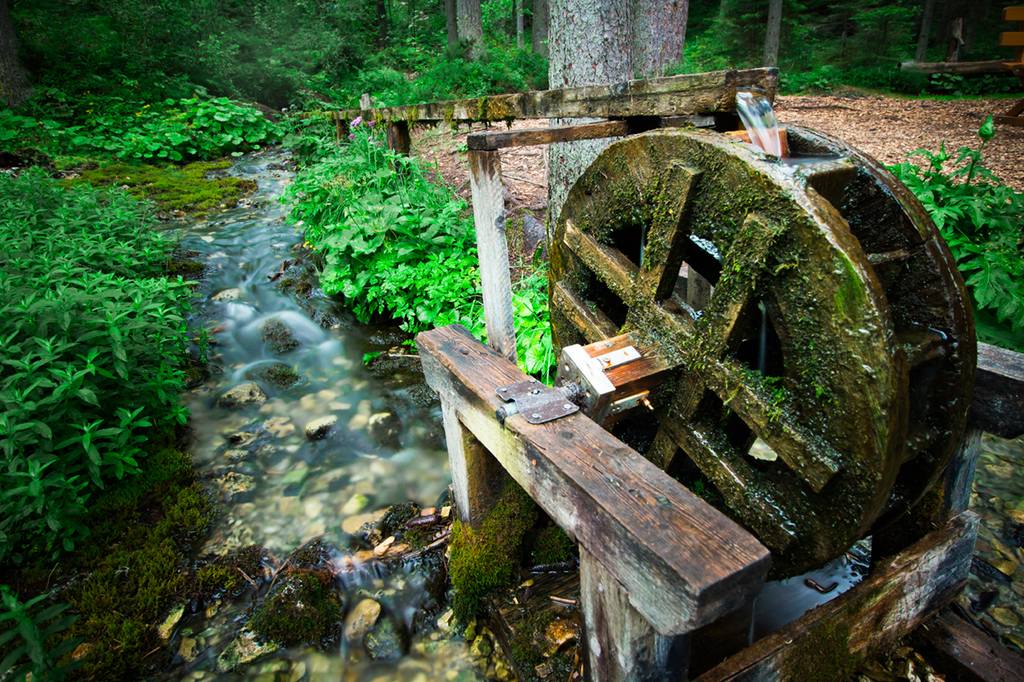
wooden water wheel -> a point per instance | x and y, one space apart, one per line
823 346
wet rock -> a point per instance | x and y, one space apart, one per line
320 427
558 634
313 508
534 236
242 438
361 619
243 395
279 426
1005 617
234 483
315 555
278 337
235 455
166 628
481 647
355 504
188 648
277 374
298 672
384 641
227 295
363 524
385 427
245 648
396 516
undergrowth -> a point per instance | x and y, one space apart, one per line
980 218
93 340
398 244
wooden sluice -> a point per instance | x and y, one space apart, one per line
668 582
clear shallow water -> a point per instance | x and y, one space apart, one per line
277 488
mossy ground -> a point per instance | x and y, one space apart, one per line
173 188
488 558
136 566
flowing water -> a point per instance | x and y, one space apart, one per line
758 118
280 489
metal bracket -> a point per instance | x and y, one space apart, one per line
535 401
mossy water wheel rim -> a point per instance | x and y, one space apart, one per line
824 379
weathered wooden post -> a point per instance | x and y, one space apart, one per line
398 137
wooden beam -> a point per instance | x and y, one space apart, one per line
1011 39
524 137
682 562
398 137
998 403
963 650
992 66
492 248
833 640
1015 13
684 95
476 475
621 645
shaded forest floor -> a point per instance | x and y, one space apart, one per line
888 128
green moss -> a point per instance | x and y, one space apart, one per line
214 578
303 609
135 565
487 558
552 546
173 188
396 517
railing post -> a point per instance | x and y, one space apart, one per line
476 475
492 248
398 137
621 645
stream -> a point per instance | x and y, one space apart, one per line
278 488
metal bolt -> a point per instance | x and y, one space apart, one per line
535 415
567 406
535 391
502 390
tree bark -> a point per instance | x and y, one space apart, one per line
597 42
382 23
453 31
771 36
925 31
539 27
520 22
470 26
15 87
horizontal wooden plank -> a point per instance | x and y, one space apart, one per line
998 403
682 562
833 640
524 137
963 68
1015 13
965 652
1011 39
683 95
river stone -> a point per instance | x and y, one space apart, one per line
277 374
384 641
236 455
385 427
320 427
355 504
188 648
167 627
278 336
243 395
245 648
1005 617
279 426
361 619
227 295
354 525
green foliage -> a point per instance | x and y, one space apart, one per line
172 130
188 189
487 558
980 218
93 337
31 637
397 244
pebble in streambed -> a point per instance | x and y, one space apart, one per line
280 365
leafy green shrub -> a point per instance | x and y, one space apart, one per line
93 336
980 218
28 630
397 244
172 130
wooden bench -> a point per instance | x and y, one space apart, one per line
1015 115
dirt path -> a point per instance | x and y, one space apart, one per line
888 128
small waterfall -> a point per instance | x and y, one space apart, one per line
758 118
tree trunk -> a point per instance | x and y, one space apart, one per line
469 25
539 27
771 36
921 54
453 31
520 22
382 23
597 42
14 84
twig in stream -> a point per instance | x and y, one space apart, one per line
247 578
564 601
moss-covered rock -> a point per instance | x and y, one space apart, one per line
278 337
186 189
277 374
488 558
303 608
